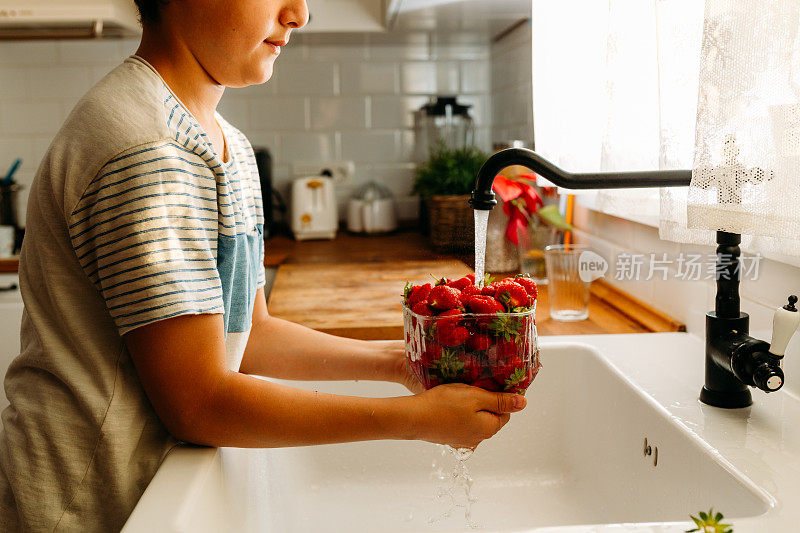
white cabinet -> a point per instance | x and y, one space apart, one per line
490 16
333 16
360 16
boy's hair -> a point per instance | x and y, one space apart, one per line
149 10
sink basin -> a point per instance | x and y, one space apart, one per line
575 457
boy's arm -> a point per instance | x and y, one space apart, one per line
181 364
281 349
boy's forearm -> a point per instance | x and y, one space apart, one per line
247 412
281 349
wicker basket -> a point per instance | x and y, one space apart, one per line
452 223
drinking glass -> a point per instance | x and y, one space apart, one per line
569 295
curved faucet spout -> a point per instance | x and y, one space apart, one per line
483 197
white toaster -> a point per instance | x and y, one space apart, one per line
313 210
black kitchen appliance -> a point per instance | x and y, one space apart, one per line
272 200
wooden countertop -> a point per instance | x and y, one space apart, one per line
352 287
9 264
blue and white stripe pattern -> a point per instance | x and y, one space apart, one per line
167 228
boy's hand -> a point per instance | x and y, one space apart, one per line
400 372
460 415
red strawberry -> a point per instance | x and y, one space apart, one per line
469 291
471 278
529 285
478 342
443 298
452 336
508 350
472 371
510 374
417 293
433 351
461 283
487 384
512 294
489 289
485 305
451 319
421 308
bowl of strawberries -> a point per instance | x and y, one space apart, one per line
457 332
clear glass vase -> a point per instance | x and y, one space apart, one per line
533 240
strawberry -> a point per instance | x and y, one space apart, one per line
452 336
416 293
422 308
450 322
489 290
433 351
507 350
487 384
444 298
514 377
478 342
529 285
485 305
467 292
472 371
460 283
512 295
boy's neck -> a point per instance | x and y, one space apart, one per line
184 74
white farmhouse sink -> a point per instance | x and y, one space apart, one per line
574 457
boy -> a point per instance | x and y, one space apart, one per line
142 276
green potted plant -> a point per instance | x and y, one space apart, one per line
444 183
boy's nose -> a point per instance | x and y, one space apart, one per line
294 14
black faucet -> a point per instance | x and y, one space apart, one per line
734 360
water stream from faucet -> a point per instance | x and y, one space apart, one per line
481 221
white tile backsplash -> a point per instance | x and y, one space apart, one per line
339 113
370 146
332 97
71 82
419 77
31 118
512 86
278 113
370 78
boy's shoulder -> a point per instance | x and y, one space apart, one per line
124 110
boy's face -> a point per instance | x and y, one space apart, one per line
237 41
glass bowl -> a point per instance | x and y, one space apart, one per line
497 352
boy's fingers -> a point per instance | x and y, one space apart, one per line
504 402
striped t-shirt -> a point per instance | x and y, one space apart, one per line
132 218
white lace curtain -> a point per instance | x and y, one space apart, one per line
616 87
746 172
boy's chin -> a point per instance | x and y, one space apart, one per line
256 76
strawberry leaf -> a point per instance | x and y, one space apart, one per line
449 366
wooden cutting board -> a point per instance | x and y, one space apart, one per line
356 300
